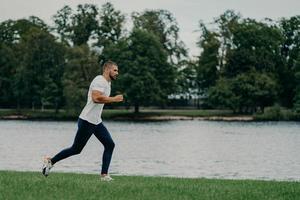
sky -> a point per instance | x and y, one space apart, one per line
188 13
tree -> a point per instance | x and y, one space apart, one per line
42 60
7 32
254 89
12 31
244 93
207 66
82 66
221 95
186 81
249 61
163 25
226 23
150 76
62 23
145 75
111 25
8 69
30 52
84 23
255 45
296 99
290 50
78 27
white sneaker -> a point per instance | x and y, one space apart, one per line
106 178
47 165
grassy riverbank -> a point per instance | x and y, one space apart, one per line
271 114
110 114
32 185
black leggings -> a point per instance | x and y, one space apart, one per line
84 132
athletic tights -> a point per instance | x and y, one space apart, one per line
84 132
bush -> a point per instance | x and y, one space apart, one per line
277 113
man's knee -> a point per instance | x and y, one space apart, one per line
110 145
76 149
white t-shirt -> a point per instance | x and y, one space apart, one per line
92 111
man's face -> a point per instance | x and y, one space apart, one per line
113 72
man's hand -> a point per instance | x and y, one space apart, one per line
118 98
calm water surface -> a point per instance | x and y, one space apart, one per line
234 150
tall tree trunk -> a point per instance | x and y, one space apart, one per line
136 108
18 106
198 101
32 105
56 107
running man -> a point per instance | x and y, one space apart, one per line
90 121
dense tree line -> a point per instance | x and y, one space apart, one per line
244 65
247 65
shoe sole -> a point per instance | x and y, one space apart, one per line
44 172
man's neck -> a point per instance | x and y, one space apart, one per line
106 76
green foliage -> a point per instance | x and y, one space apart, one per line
290 50
163 25
244 93
185 81
84 23
62 23
296 104
41 67
207 68
149 76
8 69
221 95
276 113
11 32
255 46
111 25
253 59
297 101
226 22
146 76
7 32
31 58
77 28
81 68
254 90
244 64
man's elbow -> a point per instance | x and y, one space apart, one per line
98 99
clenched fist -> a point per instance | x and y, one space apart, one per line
118 98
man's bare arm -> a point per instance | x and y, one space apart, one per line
99 97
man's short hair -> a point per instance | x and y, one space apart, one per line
108 64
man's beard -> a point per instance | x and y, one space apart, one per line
112 77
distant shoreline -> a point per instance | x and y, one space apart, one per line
174 117
149 115
140 118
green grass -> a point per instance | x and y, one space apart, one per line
39 114
32 185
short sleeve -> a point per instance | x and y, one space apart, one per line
98 84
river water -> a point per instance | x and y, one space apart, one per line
230 150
